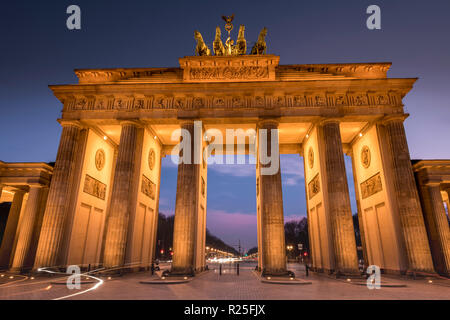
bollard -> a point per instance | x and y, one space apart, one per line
237 271
220 269
306 268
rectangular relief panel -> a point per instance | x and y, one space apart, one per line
313 187
229 68
94 187
148 187
371 186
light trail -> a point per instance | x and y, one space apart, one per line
98 284
12 283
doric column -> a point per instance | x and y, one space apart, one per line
437 225
358 208
340 212
186 206
25 232
271 202
406 197
58 198
123 196
28 263
11 229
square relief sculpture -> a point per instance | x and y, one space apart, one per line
94 187
314 187
148 187
371 186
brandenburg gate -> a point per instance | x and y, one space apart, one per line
117 124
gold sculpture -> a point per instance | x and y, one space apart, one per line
228 20
241 43
219 49
201 49
260 46
229 48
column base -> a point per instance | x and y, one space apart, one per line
181 272
15 270
277 273
350 273
421 274
22 270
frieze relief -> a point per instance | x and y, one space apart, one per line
179 103
313 187
148 187
371 186
219 102
236 101
229 73
94 187
121 103
299 101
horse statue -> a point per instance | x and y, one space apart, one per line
201 49
219 49
241 43
260 46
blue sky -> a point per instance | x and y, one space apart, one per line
37 50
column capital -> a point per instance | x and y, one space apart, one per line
187 121
348 150
324 121
184 123
35 186
70 123
269 123
131 122
393 118
426 179
432 182
19 192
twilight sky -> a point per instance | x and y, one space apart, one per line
37 50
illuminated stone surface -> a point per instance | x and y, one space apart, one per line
328 109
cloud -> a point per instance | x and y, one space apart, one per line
242 170
233 226
291 170
290 181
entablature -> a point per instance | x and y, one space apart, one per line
348 96
25 174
